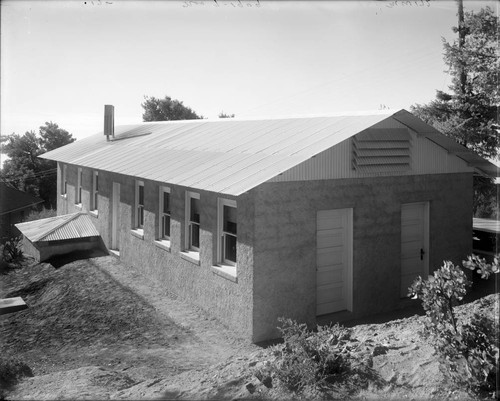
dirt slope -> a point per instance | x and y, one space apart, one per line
96 329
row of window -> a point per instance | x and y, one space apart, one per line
226 224
78 189
227 221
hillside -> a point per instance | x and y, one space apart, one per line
96 329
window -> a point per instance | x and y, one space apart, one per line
95 190
193 221
227 224
164 213
78 195
139 202
64 184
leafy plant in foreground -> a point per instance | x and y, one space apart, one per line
311 359
11 250
468 351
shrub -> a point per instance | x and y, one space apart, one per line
468 351
11 250
308 359
41 214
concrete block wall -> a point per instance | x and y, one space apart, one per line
52 248
277 242
228 299
285 240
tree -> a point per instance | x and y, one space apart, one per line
469 112
166 109
25 171
224 115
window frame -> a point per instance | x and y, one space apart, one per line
189 223
95 191
78 191
162 214
64 181
221 234
139 208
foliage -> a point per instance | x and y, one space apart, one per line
485 199
166 109
224 115
482 267
41 214
469 112
307 359
468 352
11 250
25 171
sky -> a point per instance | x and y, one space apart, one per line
62 61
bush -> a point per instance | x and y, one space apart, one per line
41 214
11 250
468 351
308 359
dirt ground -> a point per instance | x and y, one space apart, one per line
96 329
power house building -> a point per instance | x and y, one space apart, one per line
257 219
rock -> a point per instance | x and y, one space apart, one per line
250 387
379 350
267 381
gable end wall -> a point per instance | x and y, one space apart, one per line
336 162
285 240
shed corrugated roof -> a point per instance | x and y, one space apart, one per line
68 226
225 156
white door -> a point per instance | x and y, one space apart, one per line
115 218
414 243
333 261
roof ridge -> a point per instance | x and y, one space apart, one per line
352 113
73 216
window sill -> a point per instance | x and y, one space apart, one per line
163 244
94 213
64 196
226 271
191 256
138 232
78 206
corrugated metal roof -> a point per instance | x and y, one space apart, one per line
69 226
474 160
488 225
227 156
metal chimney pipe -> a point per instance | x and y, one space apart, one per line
109 121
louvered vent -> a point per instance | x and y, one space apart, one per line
377 150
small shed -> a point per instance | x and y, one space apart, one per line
59 235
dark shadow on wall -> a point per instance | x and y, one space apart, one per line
60 260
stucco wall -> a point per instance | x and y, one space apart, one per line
229 300
285 240
277 242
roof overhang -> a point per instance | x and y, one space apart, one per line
480 164
64 227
